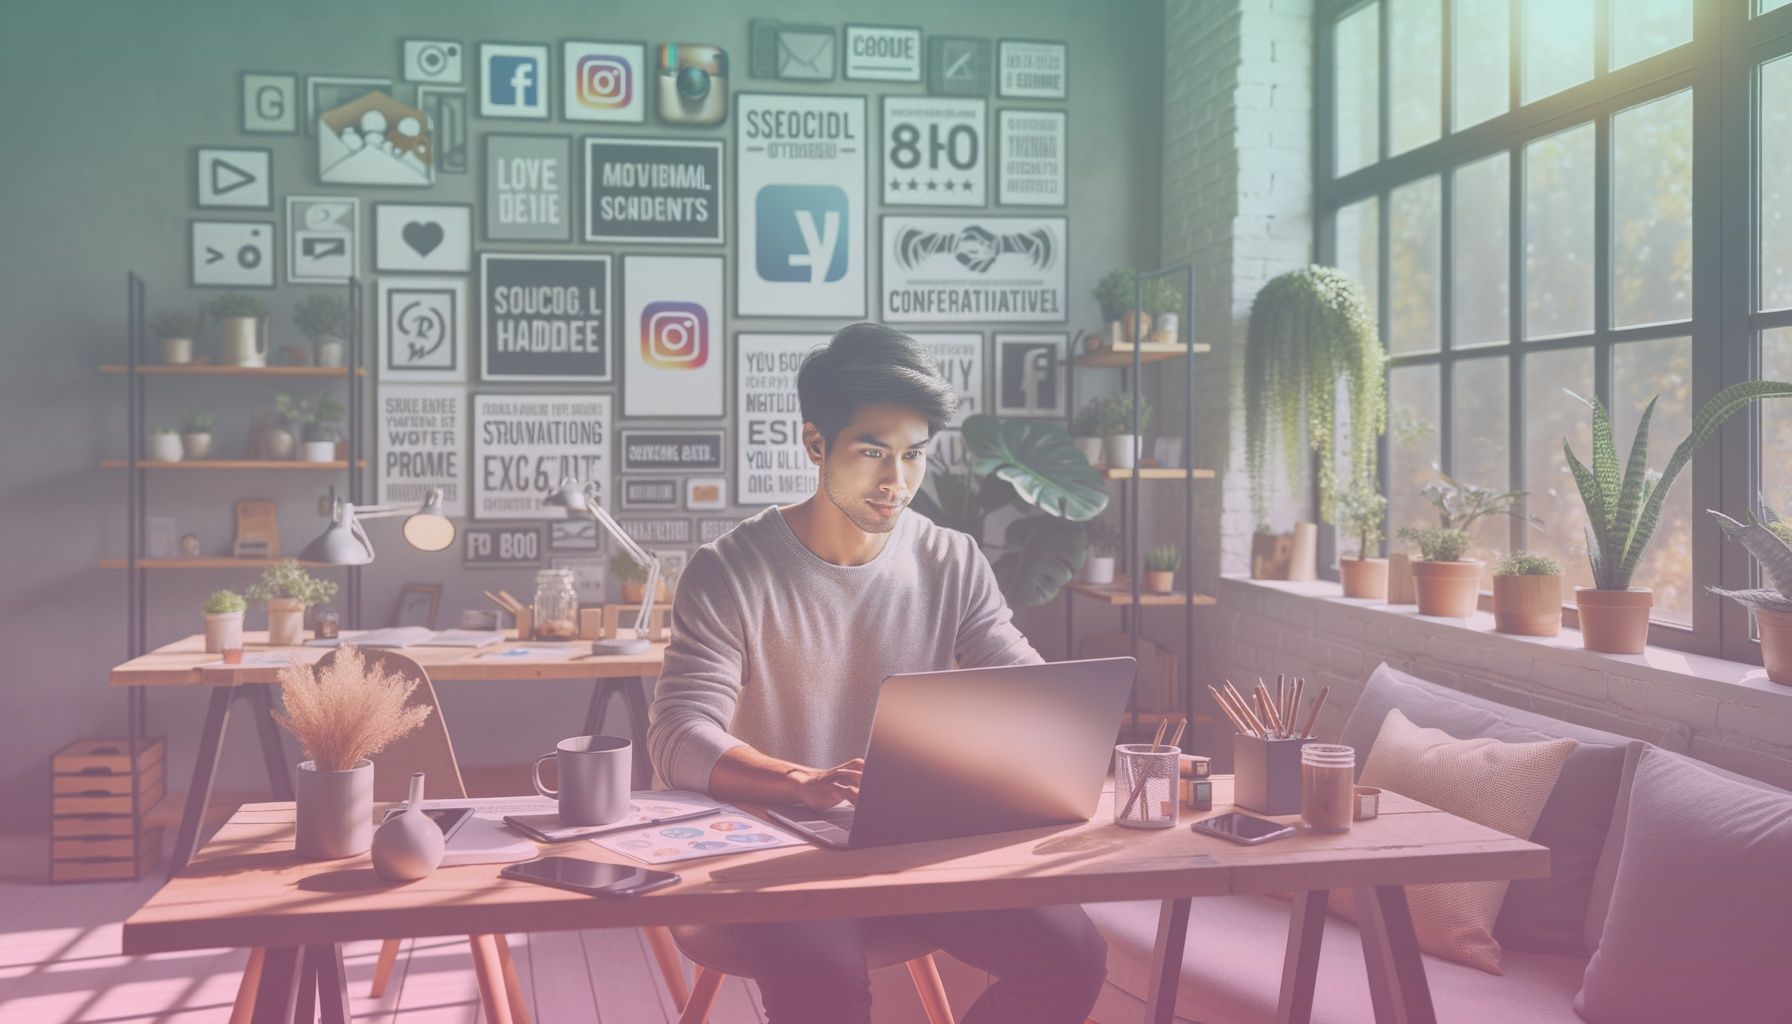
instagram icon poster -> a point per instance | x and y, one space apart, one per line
671 336
800 198
603 82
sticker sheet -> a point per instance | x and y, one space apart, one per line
732 831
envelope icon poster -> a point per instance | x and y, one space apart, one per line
805 54
374 140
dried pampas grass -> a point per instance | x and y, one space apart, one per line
345 711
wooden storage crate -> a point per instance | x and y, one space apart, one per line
97 826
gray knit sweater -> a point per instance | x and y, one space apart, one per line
773 646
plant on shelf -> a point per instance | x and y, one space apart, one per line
1085 429
321 316
1115 427
236 304
1161 563
1622 513
174 331
1104 539
1447 582
316 419
162 444
1031 466
243 329
288 590
633 577
1310 333
1769 539
224 621
196 435
1527 594
1361 511
1162 298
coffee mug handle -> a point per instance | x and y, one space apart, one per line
535 776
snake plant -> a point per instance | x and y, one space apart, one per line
1770 549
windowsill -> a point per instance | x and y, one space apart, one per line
1732 681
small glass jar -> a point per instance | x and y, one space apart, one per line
556 606
1327 786
328 624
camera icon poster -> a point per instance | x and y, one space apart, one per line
545 317
800 198
673 359
232 254
603 82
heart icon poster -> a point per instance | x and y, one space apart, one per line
430 238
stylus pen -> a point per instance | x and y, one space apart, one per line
652 822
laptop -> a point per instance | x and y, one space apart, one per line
973 751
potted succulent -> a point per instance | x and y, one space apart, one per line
634 579
174 330
1116 294
1622 516
342 711
1527 595
1445 582
1161 563
323 319
1769 539
316 419
224 621
1361 511
244 323
1085 429
1104 550
162 444
196 435
1162 299
288 589
1118 440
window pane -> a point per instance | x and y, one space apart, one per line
1482 267
1413 441
1415 73
1652 212
1480 416
1482 60
1775 209
1558 46
1644 28
1776 423
1551 417
1770 5
1558 230
1358 245
1641 370
1414 239
1357 64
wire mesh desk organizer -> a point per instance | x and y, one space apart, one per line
1148 774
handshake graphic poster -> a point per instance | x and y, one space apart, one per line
974 268
801 204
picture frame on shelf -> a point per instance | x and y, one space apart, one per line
417 605
160 537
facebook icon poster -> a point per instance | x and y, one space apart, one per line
513 80
800 199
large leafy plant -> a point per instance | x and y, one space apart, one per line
1032 466
1767 539
1622 515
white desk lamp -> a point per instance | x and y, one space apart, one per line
574 499
345 542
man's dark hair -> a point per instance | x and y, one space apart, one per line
871 364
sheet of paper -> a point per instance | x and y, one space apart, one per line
282 659
558 652
732 831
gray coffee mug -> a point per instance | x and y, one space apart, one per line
594 777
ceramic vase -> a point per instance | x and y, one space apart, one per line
244 340
196 446
286 621
1098 569
1120 450
335 811
409 845
1303 558
223 631
329 351
1527 605
317 451
177 351
1092 449
162 447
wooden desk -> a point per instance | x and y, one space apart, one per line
247 888
181 664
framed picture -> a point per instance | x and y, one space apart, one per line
270 103
687 64
658 191
233 178
525 444
323 239
713 529
420 329
1030 374
644 494
794 53
375 140
883 53
958 66
423 238
434 61
528 188
416 605
672 451
572 535
1031 163
800 197
706 493
231 253
545 317
935 151
513 80
500 547
652 531
324 92
445 111
1167 451
422 438
1030 69
672 563
960 358
160 538
676 367
603 81
974 267
770 465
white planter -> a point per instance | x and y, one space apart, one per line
1092 449
329 351
177 351
335 811
1119 450
223 631
243 341
317 451
162 448
196 446
1098 569
286 621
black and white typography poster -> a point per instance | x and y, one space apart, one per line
974 268
960 357
771 465
498 547
934 151
524 445
421 329
545 317
800 197
672 451
1030 169
422 439
653 190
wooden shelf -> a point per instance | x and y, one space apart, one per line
208 370
1120 593
204 563
1120 356
1156 473
259 464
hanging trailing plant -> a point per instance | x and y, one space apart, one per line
1310 331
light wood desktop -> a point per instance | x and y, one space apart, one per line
247 888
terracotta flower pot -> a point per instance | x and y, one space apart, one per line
1614 621
1775 629
1527 605
1364 577
1159 582
286 621
632 593
1448 589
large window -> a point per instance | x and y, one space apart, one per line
1525 187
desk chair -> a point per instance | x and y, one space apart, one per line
427 750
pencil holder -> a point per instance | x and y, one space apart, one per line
1266 774
1145 785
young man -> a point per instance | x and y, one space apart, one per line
781 633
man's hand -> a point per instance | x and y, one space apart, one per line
821 788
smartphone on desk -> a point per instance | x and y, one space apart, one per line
589 877
1242 828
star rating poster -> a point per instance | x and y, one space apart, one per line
969 268
934 151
